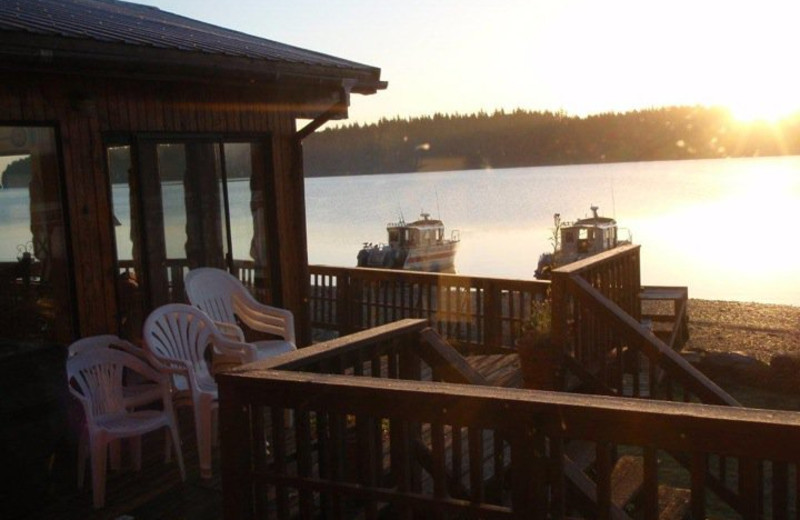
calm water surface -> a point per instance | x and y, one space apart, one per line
724 228
721 227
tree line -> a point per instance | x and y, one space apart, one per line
502 140
524 138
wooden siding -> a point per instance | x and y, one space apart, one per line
85 109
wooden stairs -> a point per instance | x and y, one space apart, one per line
580 464
627 480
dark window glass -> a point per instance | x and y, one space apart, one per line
34 272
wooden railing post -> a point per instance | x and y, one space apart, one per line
492 325
343 299
559 309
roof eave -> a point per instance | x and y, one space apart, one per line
58 53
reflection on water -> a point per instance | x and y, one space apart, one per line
721 227
724 228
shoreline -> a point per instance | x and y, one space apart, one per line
750 349
757 330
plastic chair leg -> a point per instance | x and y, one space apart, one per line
203 422
99 451
215 427
172 431
83 456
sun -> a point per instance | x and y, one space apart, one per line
763 107
758 112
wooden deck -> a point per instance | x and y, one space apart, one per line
498 369
156 492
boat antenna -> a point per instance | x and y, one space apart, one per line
438 211
402 218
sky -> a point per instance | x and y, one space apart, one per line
578 56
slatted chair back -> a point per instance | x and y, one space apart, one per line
97 381
225 299
178 336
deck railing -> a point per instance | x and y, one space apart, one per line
347 428
468 311
176 269
596 321
608 350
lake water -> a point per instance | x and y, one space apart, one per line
724 228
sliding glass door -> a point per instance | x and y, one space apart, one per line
188 203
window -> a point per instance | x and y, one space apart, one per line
34 269
187 203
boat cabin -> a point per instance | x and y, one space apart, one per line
588 236
423 232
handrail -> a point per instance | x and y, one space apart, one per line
473 312
652 347
381 423
602 342
608 257
615 273
337 348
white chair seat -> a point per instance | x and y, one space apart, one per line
273 347
181 386
131 423
141 394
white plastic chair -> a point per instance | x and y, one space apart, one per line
96 380
136 394
177 336
223 297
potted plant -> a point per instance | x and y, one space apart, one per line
540 359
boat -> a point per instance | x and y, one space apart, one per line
416 246
573 241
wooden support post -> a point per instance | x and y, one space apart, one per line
236 454
604 467
699 467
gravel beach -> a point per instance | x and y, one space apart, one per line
752 350
757 330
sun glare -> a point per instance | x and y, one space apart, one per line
768 106
766 111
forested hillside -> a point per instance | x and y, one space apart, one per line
504 140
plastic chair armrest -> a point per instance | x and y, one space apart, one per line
265 318
230 330
244 351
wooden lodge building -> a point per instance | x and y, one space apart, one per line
120 127
136 145
128 120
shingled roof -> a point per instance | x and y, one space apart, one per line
128 34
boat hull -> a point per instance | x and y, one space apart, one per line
438 258
433 258
417 246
